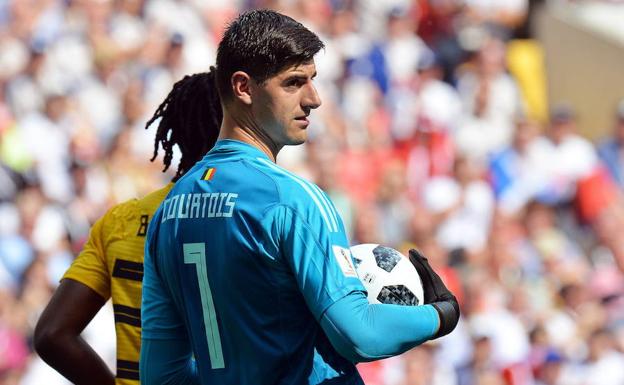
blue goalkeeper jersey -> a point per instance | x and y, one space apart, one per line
242 259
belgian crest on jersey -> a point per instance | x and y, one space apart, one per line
209 173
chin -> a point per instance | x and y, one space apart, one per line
298 139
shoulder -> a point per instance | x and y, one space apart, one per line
122 211
302 196
120 221
294 189
149 203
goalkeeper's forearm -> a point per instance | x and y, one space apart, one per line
361 332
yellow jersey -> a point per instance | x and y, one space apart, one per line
111 264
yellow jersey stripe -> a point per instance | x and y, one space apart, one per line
128 370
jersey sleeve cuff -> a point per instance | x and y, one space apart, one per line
101 288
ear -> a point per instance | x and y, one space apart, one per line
241 86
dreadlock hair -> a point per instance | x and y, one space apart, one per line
191 118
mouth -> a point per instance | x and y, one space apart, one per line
303 119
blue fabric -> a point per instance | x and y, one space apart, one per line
502 170
276 257
169 363
371 65
16 254
366 332
611 154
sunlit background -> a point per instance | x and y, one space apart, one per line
485 132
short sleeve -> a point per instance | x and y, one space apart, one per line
90 267
320 259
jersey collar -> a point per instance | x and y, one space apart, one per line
232 146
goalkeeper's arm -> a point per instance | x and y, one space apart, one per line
360 331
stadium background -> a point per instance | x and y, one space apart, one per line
485 132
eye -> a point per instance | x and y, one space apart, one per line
295 82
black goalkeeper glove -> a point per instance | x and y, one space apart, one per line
436 294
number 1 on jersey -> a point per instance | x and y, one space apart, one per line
195 253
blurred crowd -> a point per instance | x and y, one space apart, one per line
431 135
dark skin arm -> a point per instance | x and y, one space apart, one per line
57 335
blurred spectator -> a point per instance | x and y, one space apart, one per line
611 149
438 27
577 172
549 372
547 249
606 285
46 138
489 317
569 325
517 173
573 156
491 100
506 14
439 101
393 205
24 92
422 368
604 363
424 116
463 205
481 363
402 47
13 348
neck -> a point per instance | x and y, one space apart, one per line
245 129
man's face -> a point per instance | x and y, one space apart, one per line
282 103
560 130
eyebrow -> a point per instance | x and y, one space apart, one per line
300 75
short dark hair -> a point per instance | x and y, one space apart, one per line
262 43
190 117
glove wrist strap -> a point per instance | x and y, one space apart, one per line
449 316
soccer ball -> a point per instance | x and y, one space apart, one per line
388 276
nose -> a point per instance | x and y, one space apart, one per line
311 98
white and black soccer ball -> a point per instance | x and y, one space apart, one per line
387 275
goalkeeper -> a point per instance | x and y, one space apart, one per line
247 266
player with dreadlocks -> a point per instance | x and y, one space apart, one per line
111 262
193 107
